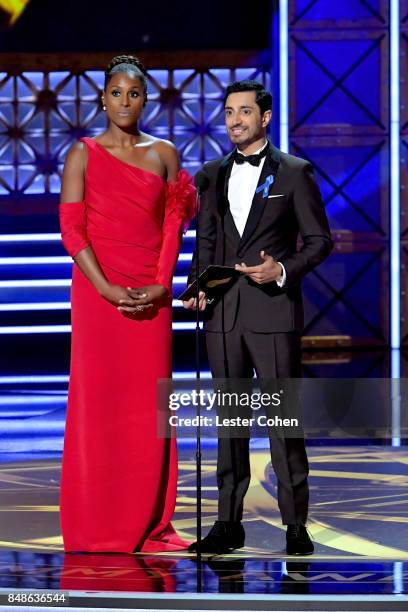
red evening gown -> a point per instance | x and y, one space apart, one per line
119 479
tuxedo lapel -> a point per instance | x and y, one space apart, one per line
259 201
223 207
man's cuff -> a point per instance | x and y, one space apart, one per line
282 280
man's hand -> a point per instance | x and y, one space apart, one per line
191 304
266 272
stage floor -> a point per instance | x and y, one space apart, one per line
358 521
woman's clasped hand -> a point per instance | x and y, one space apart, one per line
131 300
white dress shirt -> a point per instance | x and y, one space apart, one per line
242 184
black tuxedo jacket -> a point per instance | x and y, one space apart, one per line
293 206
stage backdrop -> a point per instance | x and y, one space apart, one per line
339 119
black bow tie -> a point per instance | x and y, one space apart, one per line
254 160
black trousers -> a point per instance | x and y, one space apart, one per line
272 356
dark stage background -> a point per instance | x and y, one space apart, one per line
89 25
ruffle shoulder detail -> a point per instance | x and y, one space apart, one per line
180 197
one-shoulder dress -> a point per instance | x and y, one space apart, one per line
119 478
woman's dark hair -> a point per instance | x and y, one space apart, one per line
263 98
127 63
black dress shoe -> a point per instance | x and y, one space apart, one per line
298 541
222 538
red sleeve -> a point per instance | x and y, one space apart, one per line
179 210
73 227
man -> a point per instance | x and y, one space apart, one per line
258 202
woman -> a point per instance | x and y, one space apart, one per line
123 205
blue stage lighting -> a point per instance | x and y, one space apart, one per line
395 176
283 76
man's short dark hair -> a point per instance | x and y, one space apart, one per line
263 98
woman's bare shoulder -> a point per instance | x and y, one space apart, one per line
77 156
77 150
165 149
